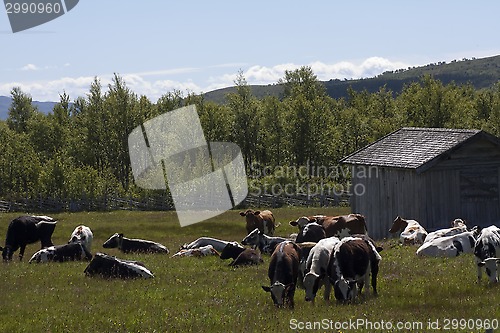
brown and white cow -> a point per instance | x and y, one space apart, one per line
283 272
411 231
335 226
263 220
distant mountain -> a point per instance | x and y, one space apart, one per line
481 73
5 102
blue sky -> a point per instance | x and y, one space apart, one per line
199 46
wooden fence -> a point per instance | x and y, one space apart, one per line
158 203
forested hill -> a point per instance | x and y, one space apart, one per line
481 73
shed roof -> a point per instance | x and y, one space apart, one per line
413 147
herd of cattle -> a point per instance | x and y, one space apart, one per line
326 251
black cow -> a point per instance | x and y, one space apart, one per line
349 265
111 267
127 245
312 232
60 253
231 250
27 230
283 272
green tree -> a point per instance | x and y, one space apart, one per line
20 111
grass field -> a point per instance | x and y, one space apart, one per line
205 295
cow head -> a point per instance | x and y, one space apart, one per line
398 225
301 222
458 223
491 268
280 293
345 289
311 285
113 241
7 252
252 238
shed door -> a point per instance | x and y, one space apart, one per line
479 195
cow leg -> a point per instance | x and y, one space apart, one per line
375 268
479 270
21 251
328 288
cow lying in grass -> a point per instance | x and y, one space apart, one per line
127 245
449 246
60 253
111 267
207 250
83 235
411 231
218 244
263 242
241 255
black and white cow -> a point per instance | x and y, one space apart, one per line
60 253
316 268
311 232
218 244
111 267
207 250
127 245
283 272
263 242
350 265
231 251
83 235
449 246
27 230
487 253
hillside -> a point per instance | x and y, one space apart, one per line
481 73
44 107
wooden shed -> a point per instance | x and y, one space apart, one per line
432 175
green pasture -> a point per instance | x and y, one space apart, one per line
205 295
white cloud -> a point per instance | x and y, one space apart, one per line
190 79
29 67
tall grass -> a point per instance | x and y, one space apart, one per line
205 295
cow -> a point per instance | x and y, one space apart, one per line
263 220
448 246
111 267
247 257
335 226
265 243
202 251
231 251
316 268
305 249
487 253
218 244
457 228
83 235
61 253
312 232
127 245
283 272
351 262
411 231
27 230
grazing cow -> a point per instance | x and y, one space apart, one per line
312 232
82 235
265 243
305 249
202 251
61 253
411 231
487 253
351 262
127 245
111 267
218 244
247 257
337 226
27 230
457 228
283 272
316 268
263 220
448 246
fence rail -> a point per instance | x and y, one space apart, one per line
158 203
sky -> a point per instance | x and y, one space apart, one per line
199 46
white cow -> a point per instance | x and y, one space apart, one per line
265 243
217 244
316 268
83 235
197 252
487 253
457 228
411 231
448 246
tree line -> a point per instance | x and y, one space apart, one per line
80 149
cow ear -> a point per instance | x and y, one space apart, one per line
242 213
266 289
293 223
257 212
